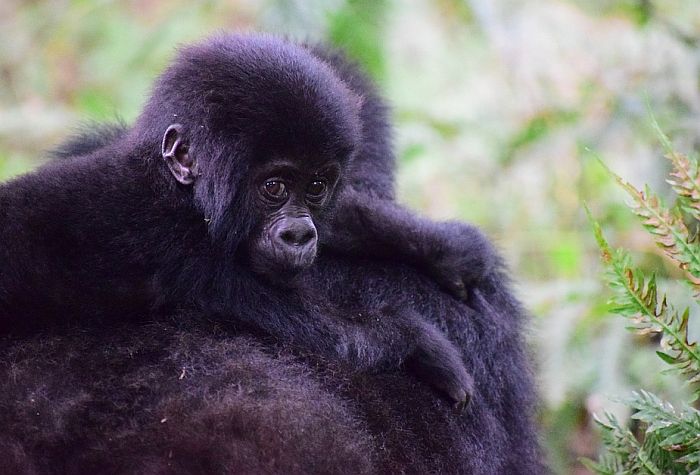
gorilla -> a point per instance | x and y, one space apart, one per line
243 235
227 183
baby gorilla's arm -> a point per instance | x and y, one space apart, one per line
368 341
391 338
457 255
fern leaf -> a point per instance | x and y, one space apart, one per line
675 432
685 176
637 298
666 227
624 453
685 181
670 441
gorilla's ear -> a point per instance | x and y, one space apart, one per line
175 151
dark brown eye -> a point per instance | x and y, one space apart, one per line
275 189
316 188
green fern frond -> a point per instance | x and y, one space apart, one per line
675 432
670 441
685 176
637 298
685 181
680 429
669 444
667 228
654 453
625 455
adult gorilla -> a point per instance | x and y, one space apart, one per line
186 397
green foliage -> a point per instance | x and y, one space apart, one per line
641 11
668 439
670 443
357 28
535 129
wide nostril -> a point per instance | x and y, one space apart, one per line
297 235
307 236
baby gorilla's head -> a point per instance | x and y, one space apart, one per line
261 129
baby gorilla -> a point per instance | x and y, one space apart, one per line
248 158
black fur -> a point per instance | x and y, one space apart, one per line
108 235
88 138
187 397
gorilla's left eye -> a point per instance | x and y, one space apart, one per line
275 189
316 189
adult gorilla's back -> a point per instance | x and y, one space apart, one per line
160 399
191 397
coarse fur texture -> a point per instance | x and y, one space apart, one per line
131 245
190 397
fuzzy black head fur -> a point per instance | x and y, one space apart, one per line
244 100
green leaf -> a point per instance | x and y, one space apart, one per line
666 227
685 176
666 358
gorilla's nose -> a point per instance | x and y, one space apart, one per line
298 232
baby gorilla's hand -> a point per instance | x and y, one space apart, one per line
460 255
437 362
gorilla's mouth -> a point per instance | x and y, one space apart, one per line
279 262
293 259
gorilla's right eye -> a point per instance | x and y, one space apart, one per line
275 189
316 189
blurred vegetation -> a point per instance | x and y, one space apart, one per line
497 104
